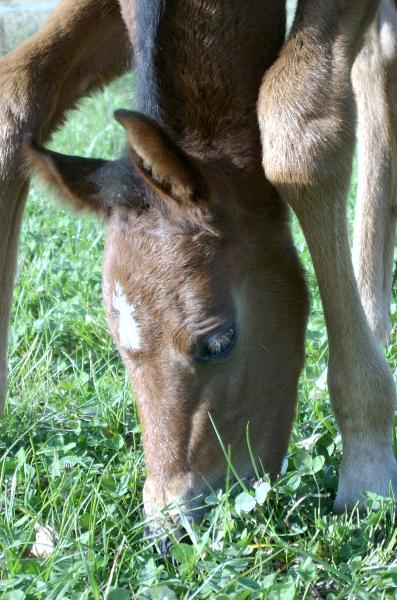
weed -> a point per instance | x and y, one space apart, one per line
71 465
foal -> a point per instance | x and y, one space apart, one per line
204 294
203 291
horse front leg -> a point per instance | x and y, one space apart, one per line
375 86
307 117
83 45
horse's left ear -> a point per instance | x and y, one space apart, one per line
92 183
167 169
161 162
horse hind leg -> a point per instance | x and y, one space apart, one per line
375 86
83 45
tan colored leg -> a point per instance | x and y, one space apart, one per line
82 46
306 110
375 86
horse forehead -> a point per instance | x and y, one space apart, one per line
149 308
166 295
169 274
148 272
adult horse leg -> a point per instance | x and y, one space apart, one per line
306 110
82 46
375 87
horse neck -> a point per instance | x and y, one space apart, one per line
200 65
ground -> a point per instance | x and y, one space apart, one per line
71 463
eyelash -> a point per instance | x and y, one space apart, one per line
216 345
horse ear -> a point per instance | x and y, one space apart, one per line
163 165
92 183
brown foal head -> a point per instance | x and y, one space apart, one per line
204 299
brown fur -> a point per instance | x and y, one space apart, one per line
193 269
307 115
82 46
375 86
198 239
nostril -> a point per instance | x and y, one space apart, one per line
146 532
164 546
178 536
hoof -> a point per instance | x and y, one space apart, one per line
378 477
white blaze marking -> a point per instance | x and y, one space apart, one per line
129 333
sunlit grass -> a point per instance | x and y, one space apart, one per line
71 455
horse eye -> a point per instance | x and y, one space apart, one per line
216 345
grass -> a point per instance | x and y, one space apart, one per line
71 456
14 24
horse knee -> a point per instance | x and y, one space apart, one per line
301 152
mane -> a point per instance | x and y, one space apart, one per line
149 15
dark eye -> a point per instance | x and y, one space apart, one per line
215 345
